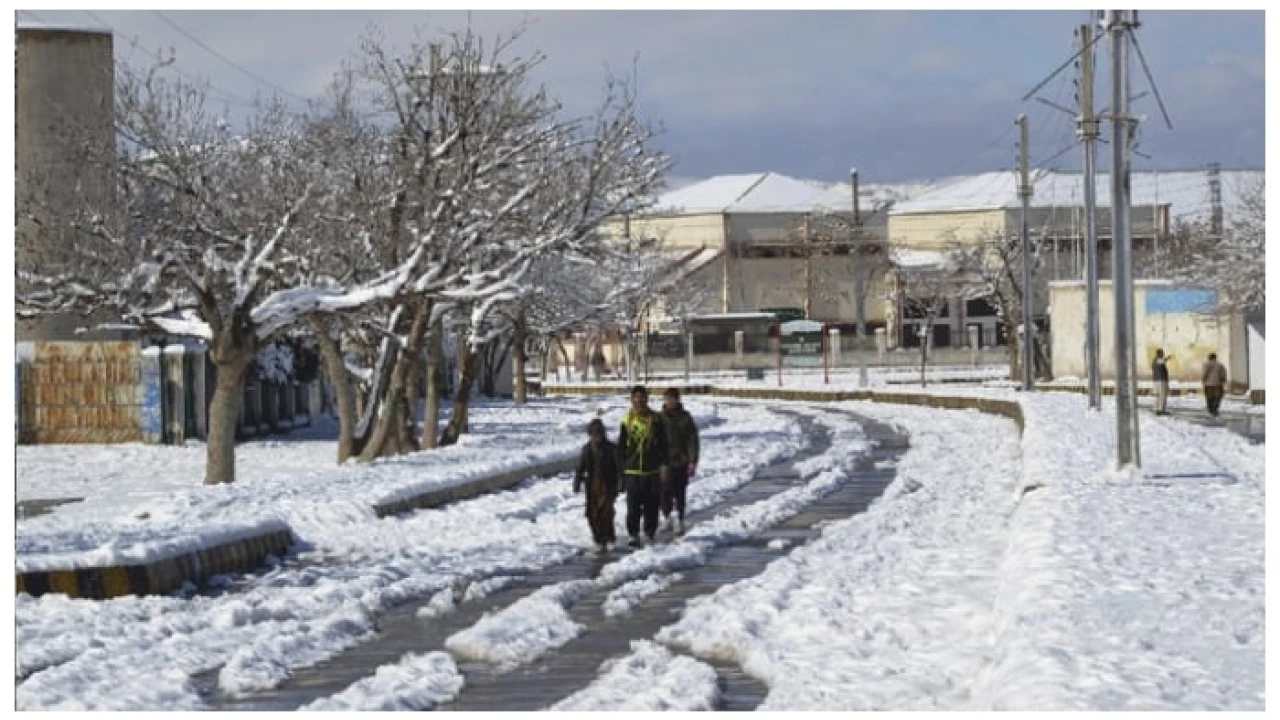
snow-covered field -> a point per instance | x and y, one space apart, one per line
140 652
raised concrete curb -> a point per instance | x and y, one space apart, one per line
161 576
1005 408
243 555
436 498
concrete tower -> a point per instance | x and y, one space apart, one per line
64 114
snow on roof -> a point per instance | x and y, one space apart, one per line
1185 191
920 259
770 192
63 27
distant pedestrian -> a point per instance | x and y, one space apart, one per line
642 443
682 442
1215 383
1160 373
598 470
598 363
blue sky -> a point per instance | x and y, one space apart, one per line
900 95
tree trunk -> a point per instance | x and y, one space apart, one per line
519 358
391 416
629 356
435 385
340 379
469 362
232 367
924 352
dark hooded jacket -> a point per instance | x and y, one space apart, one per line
682 436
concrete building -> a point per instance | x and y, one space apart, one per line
64 114
969 211
754 228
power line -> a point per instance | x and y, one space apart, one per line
225 59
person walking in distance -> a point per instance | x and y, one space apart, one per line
682 442
642 443
1160 373
598 470
1215 383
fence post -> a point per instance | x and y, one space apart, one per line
199 395
175 412
973 346
882 344
150 411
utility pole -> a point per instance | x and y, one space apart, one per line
1215 200
1028 321
1089 134
1119 25
808 269
859 284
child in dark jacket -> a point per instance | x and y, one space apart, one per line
598 469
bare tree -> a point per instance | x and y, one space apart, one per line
839 233
1232 263
996 264
204 238
928 290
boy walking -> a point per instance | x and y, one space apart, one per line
682 442
1160 373
598 469
1215 382
642 443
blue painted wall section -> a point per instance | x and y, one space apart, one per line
1161 301
151 413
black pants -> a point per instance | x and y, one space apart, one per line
1213 397
673 492
642 500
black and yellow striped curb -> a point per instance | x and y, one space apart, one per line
435 498
161 576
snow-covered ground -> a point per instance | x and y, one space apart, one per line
143 502
140 652
996 572
982 582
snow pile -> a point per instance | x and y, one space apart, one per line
649 679
522 631
889 609
417 682
625 598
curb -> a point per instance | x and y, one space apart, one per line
436 498
1005 408
244 555
161 576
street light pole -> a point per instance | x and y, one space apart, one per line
1119 25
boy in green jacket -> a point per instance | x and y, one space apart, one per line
642 443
